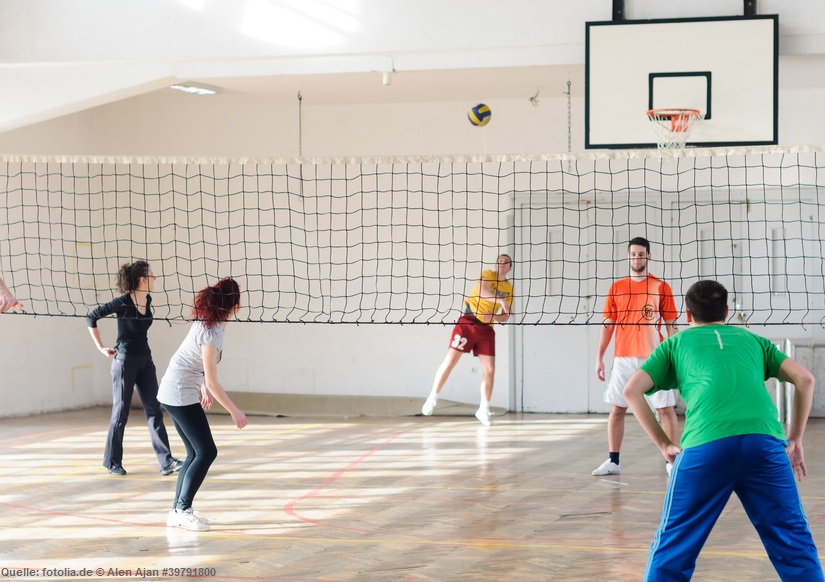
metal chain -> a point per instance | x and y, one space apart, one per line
569 120
300 125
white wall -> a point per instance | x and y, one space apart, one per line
51 364
169 123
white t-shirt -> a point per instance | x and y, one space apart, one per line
180 385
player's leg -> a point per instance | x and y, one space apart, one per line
615 436
462 340
146 384
193 426
123 385
441 375
770 498
664 402
615 427
174 412
622 369
488 371
485 348
695 497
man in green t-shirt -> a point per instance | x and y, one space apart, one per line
732 441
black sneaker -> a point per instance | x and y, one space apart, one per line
116 470
173 467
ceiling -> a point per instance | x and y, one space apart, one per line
411 86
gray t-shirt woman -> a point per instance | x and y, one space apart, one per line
180 385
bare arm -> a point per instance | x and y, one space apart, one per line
7 300
502 317
605 335
108 352
804 382
671 327
634 393
486 291
210 373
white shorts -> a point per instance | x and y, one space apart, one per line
623 369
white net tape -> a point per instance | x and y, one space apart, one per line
672 126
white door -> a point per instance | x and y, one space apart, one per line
569 254
554 295
705 241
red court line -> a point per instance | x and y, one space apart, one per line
289 508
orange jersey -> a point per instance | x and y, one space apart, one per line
638 308
481 308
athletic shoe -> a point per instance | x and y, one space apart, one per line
187 519
669 468
172 516
484 416
116 470
607 468
429 406
173 467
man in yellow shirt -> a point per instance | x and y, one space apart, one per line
490 301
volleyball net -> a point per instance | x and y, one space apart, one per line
401 241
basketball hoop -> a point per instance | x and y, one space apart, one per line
672 126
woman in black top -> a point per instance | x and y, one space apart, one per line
132 366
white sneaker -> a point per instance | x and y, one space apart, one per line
187 520
484 416
669 468
429 406
171 518
607 468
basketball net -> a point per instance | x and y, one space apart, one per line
672 126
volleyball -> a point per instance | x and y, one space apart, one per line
479 115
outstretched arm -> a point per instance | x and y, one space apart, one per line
210 372
487 291
7 300
639 383
804 382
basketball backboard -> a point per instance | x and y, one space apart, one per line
725 67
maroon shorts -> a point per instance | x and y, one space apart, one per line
469 334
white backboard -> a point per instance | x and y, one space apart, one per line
727 68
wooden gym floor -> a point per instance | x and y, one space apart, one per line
402 499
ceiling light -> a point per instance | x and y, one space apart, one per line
195 89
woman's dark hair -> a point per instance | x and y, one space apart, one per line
215 304
707 301
128 277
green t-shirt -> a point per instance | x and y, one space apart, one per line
720 371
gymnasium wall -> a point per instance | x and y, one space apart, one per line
51 364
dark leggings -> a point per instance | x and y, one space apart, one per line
193 428
128 373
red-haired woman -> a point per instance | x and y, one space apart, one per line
187 390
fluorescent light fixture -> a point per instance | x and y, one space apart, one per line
195 89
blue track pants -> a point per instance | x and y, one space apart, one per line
758 470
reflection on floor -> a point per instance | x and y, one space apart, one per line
399 499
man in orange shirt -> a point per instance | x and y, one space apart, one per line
635 309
